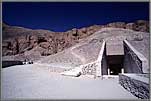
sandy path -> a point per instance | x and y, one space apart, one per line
30 82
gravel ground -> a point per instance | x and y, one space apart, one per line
34 82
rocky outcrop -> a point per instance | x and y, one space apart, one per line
142 26
117 25
18 40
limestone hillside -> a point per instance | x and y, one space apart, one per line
20 43
87 49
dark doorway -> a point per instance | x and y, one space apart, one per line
115 64
115 69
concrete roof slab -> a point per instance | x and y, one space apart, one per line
114 47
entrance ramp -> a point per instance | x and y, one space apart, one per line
115 56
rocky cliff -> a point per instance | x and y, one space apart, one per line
21 43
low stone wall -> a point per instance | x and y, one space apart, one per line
89 69
134 62
135 84
11 63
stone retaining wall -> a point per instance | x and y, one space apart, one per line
134 62
137 87
104 63
95 68
11 63
89 69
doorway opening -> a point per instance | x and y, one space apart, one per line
115 64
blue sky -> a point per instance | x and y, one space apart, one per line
63 16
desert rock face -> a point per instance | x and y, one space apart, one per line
20 41
117 25
142 26
131 26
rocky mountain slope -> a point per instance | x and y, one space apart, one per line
87 50
20 43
